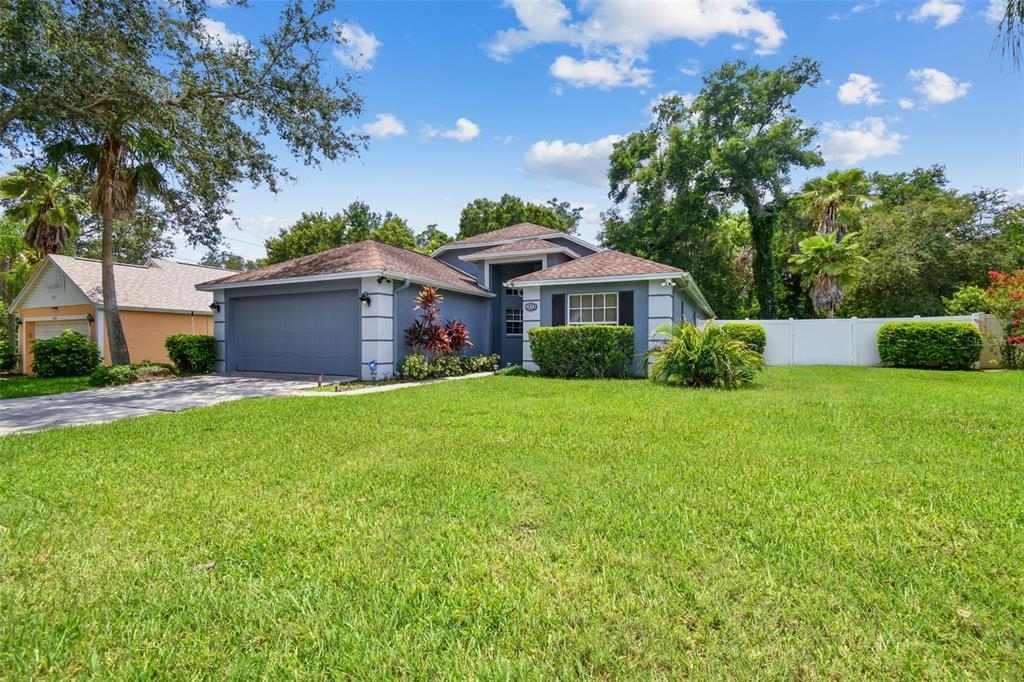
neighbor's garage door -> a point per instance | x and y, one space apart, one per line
51 328
301 333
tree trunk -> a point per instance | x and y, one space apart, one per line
111 313
762 234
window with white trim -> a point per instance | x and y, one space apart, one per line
593 308
513 321
509 291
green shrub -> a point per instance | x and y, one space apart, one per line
445 366
112 375
192 353
8 354
702 357
118 375
967 300
415 367
69 354
749 333
582 352
929 345
479 363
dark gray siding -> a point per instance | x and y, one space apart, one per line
639 290
573 246
474 311
306 329
452 259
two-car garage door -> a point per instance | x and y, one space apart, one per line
309 333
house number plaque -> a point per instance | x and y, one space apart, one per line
531 306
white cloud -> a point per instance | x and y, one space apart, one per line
586 163
864 139
905 103
691 68
600 73
617 33
385 125
222 37
859 89
945 12
865 6
936 86
995 11
360 47
464 131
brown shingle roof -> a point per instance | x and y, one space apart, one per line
520 246
602 264
160 284
365 256
517 231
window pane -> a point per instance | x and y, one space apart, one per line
587 316
574 316
599 315
587 301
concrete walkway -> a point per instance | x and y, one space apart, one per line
100 405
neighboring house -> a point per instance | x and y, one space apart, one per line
343 312
156 300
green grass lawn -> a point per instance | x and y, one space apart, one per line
27 386
835 523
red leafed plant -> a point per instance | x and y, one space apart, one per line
428 335
458 336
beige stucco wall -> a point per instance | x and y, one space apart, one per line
145 330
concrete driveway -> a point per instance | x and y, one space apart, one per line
118 402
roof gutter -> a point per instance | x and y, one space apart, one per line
390 274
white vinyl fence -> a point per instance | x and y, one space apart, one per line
838 342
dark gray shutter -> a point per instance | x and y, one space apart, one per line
626 308
557 310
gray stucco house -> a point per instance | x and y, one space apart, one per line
343 312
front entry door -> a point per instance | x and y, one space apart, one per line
512 326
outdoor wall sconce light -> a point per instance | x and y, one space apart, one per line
365 298
89 318
215 307
19 321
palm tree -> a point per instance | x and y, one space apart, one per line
834 201
44 201
1011 31
829 262
124 165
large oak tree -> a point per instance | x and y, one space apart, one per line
735 143
142 95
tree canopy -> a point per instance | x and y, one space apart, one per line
141 97
485 215
315 232
737 141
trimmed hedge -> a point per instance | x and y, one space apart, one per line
583 352
69 354
929 345
192 353
749 333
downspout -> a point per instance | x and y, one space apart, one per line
394 319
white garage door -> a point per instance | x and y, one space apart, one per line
51 328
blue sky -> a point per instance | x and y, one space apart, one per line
472 99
